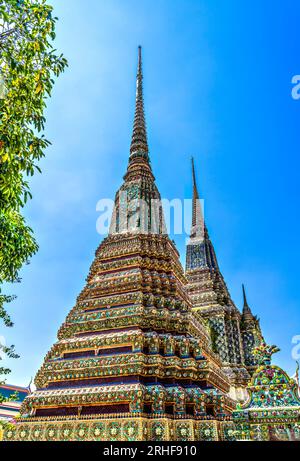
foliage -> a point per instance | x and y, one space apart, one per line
9 352
12 398
6 426
28 65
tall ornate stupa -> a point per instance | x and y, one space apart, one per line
132 360
149 352
234 335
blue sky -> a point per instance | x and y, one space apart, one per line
217 80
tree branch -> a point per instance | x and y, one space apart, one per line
6 34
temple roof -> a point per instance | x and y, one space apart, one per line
7 390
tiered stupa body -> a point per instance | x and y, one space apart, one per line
132 361
230 331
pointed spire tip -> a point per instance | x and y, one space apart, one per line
194 175
139 144
246 307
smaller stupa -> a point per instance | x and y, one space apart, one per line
272 411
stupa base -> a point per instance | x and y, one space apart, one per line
121 428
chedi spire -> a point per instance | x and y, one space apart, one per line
139 143
198 225
246 308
